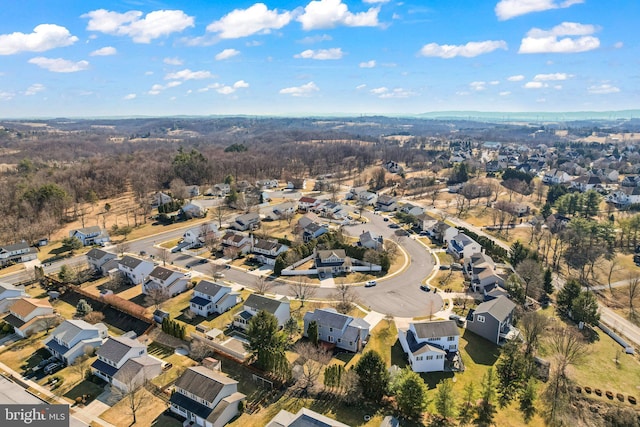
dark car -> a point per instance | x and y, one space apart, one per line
425 288
204 261
456 266
394 226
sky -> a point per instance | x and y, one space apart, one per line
158 58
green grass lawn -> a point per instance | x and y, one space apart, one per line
92 386
165 421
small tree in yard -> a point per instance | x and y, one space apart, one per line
156 297
548 282
373 375
585 308
94 317
411 393
134 393
83 308
445 404
467 408
312 359
569 292
266 344
312 332
486 410
302 290
262 285
81 364
510 370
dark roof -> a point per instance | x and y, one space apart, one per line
115 348
190 405
445 328
266 245
104 367
129 261
55 346
13 321
15 246
340 253
199 301
96 253
208 288
245 315
162 273
203 382
260 302
329 317
419 347
499 308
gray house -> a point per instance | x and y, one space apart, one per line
99 260
72 339
346 332
255 303
211 297
492 319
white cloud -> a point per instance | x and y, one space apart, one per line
557 87
507 9
187 74
141 30
516 78
552 77
226 54
360 87
173 61
257 19
157 88
379 90
34 88
304 90
603 89
494 82
130 96
173 84
148 73
104 51
44 37
316 39
568 37
227 90
6 96
535 85
321 54
397 93
59 65
468 50
375 1
368 64
478 85
505 93
253 43
331 13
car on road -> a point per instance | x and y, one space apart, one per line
445 267
393 225
425 288
385 219
370 284
457 267
218 275
203 261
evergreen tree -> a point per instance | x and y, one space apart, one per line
510 371
266 344
411 394
486 410
527 400
548 282
372 375
467 408
569 292
312 332
445 404
518 253
83 308
585 308
546 211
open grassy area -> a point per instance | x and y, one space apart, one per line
92 386
120 414
17 354
169 243
444 257
11 269
448 279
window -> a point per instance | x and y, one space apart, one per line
452 347
439 356
451 338
339 339
330 329
480 318
433 339
419 358
429 357
330 338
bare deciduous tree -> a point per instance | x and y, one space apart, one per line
313 360
134 393
199 350
122 247
533 326
345 297
262 285
633 290
156 297
163 255
94 317
301 289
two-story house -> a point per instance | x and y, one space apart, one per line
411 209
74 338
307 203
101 261
555 176
370 240
9 294
30 315
586 183
368 198
134 269
266 250
624 197
221 189
239 241
211 297
197 236
386 203
159 199
429 344
332 261
280 308
442 232
280 211
313 230
171 282
17 252
492 319
249 221
205 397
90 235
194 209
426 222
266 184
124 363
481 269
463 246
346 332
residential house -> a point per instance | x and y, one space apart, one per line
9 294
17 252
171 282
624 197
307 219
267 184
297 184
239 241
211 297
194 209
557 222
303 418
249 221
307 203
205 397
631 181
329 209
313 231
370 240
134 269
442 232
124 363
481 269
586 183
280 211
492 319
159 199
410 209
520 209
73 338
426 222
555 176
429 344
280 308
192 190
90 235
222 189
368 198
99 261
332 261
392 166
493 166
463 246
386 203
267 250
30 315
197 236
346 332
353 192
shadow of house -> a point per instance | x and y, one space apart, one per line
481 351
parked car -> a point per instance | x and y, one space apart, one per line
218 275
456 266
385 219
445 266
459 320
53 368
394 225
370 284
204 261
425 288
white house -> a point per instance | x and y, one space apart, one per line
72 339
463 246
222 189
346 332
194 209
197 236
555 176
267 250
206 398
307 203
429 344
171 282
99 260
237 240
90 235
482 271
370 240
17 252
9 294
367 197
267 183
386 203
586 183
136 270
244 222
280 308
124 363
30 315
211 297
624 197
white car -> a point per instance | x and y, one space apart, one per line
370 284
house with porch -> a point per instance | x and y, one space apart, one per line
280 308
90 235
212 297
332 261
171 282
135 270
206 398
101 261
493 319
429 344
72 338
343 331
17 252
30 315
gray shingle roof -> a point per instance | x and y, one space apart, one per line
499 308
96 253
328 317
209 288
115 348
260 302
131 262
162 273
445 328
203 382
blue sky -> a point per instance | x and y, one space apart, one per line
117 58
